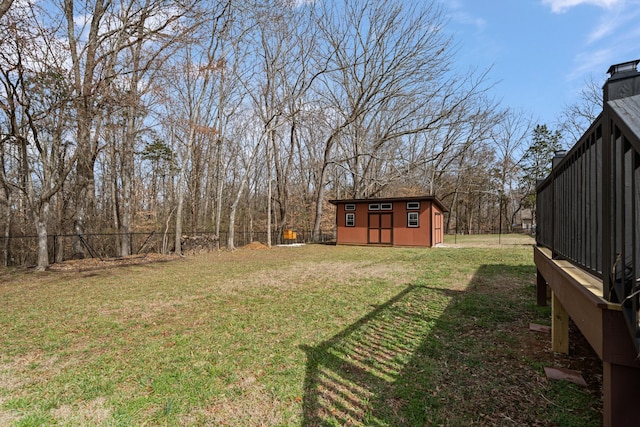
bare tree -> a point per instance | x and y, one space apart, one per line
97 31
282 40
249 138
230 53
86 76
36 104
390 76
6 199
461 164
240 115
510 137
200 102
143 53
576 118
4 7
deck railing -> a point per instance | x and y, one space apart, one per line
588 209
569 204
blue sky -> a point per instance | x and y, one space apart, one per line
542 52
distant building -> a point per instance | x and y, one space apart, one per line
526 219
395 221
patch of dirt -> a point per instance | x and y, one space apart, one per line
249 403
584 359
536 346
90 264
255 246
94 412
301 274
8 417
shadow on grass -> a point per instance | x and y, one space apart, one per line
350 375
429 354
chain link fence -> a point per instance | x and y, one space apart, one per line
21 251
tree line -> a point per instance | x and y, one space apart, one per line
225 115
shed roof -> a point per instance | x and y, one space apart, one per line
432 199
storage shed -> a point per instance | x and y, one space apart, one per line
395 221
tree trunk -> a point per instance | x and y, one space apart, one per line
41 216
315 235
127 177
270 145
319 201
7 230
4 6
219 188
113 187
232 225
84 197
83 82
234 205
178 237
452 210
59 242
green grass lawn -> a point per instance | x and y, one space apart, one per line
488 239
311 335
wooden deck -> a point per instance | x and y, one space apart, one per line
577 294
588 281
586 211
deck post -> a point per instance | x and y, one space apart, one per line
621 387
620 372
559 326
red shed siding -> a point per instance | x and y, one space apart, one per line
390 227
352 235
413 236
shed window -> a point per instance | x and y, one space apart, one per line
413 205
350 207
386 206
350 220
374 206
413 219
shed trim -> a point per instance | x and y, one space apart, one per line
432 199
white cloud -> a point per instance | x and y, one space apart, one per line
559 6
615 23
466 19
604 28
593 63
596 61
458 14
612 40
